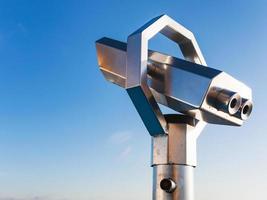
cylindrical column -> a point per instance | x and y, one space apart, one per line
173 182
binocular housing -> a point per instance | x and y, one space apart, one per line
201 92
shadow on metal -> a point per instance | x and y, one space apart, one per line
198 93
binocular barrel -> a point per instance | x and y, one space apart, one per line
201 92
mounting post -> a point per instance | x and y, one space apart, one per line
174 159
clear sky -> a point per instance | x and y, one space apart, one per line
66 133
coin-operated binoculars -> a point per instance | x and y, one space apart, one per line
198 93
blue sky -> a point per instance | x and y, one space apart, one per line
66 133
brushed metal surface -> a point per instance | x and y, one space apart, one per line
179 145
201 92
182 175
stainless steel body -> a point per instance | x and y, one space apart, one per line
201 92
198 93
174 159
182 175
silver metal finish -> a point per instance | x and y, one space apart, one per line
245 109
198 93
137 59
174 159
179 145
182 175
225 100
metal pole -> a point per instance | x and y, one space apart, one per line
174 160
173 182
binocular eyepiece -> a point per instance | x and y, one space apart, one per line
245 109
230 102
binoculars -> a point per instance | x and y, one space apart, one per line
188 87
199 95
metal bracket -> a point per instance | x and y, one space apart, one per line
137 57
